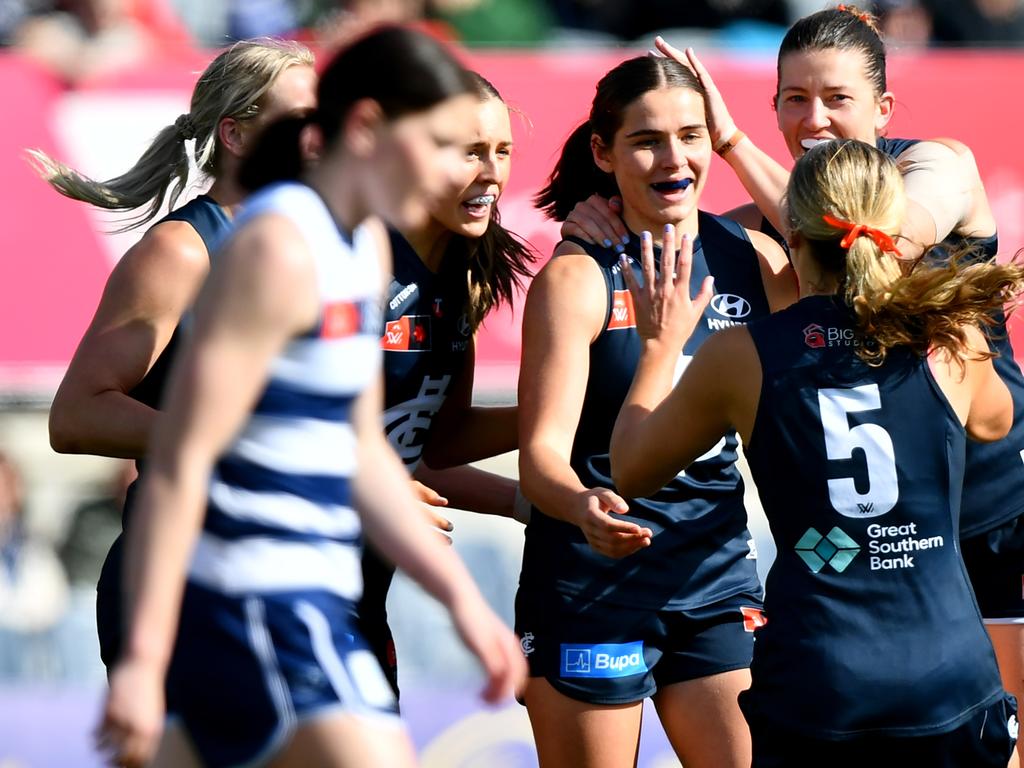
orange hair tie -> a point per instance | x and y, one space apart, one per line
853 231
863 16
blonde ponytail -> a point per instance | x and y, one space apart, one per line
233 85
846 200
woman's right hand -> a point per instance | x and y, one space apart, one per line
597 220
606 535
133 717
720 122
495 646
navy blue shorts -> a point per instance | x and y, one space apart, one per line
247 670
995 564
605 654
986 740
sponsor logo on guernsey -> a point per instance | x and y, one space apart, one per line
409 333
602 660
526 643
814 336
340 319
835 549
889 547
403 294
730 305
817 337
753 618
893 547
622 314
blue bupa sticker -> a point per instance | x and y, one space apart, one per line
603 659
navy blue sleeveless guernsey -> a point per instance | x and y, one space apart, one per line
994 482
213 225
426 337
425 340
701 549
871 623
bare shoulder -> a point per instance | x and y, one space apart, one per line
569 289
170 248
747 215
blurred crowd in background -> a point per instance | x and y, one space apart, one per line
85 38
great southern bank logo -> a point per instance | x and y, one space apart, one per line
602 659
835 549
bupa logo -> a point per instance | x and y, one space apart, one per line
603 660
814 336
730 305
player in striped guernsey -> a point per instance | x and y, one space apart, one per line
108 400
273 419
852 405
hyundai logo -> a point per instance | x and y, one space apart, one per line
730 305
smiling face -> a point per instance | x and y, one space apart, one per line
466 208
826 94
418 157
660 157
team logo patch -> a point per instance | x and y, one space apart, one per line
602 660
835 548
340 319
622 315
814 336
730 305
526 643
753 618
409 333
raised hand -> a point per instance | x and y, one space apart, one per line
665 312
720 122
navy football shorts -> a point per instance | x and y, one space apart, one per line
985 740
995 565
610 654
248 670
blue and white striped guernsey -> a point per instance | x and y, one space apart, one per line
279 516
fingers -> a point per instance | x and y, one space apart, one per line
707 292
671 51
597 220
506 669
647 263
684 262
668 258
428 495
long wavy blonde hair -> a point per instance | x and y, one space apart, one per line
921 303
233 85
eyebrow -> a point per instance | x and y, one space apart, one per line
653 132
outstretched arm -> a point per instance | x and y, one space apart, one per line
387 507
262 294
565 311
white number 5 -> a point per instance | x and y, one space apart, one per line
840 441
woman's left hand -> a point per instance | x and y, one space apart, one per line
665 313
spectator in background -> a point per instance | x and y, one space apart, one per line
94 525
904 23
82 39
977 22
33 589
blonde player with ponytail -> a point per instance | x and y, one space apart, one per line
854 406
107 403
